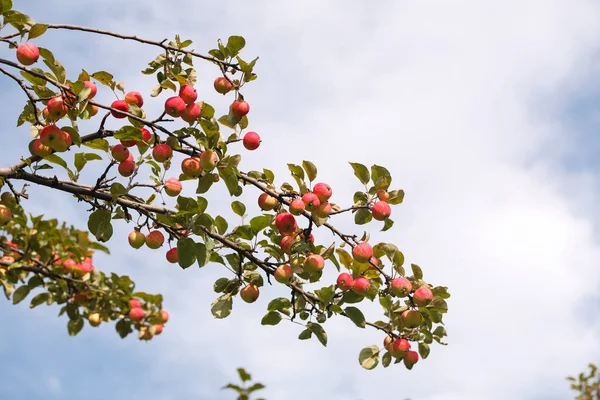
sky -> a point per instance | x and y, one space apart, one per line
485 113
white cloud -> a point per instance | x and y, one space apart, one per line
456 99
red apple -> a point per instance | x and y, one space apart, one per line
381 210
188 94
56 108
323 191
155 239
136 239
158 329
93 89
126 168
39 149
399 348
191 167
251 141
162 152
345 281
208 160
422 296
285 223
136 314
134 98
411 319
164 316
314 263
361 285
410 359
52 136
266 202
283 273
222 85
286 244
172 187
386 342
383 195
191 113
120 105
249 293
362 252
175 106
135 303
92 110
323 210
400 287
120 152
28 53
239 108
297 206
172 255
311 201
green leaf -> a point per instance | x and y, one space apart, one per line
260 222
396 197
57 69
362 216
424 350
326 294
239 208
53 158
279 304
103 77
202 254
244 376
386 360
221 307
186 252
235 44
296 170
74 326
36 31
20 294
356 316
361 172
128 133
417 272
305 334
319 332
229 175
97 144
369 357
204 183
39 299
272 318
75 137
381 177
220 285
387 225
5 5
311 170
116 190
123 328
99 225
221 224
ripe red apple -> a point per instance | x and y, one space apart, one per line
164 316
208 160
69 263
158 329
188 94
162 152
136 314
283 273
175 106
86 266
400 287
266 202
249 293
399 347
155 239
172 255
172 187
297 206
311 237
120 152
134 98
56 108
146 135
373 262
120 105
126 168
136 239
285 223
286 244
314 263
361 285
92 110
135 303
5 214
28 53
94 319
411 318
323 191
251 141
93 88
191 167
410 359
311 201
422 296
383 195
381 210
362 252
39 149
191 113
345 281
323 210
222 85
52 136
239 108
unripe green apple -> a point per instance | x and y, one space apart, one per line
136 239
411 319
5 214
94 319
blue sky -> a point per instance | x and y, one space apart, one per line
487 116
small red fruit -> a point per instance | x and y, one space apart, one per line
172 187
422 296
324 210
314 263
172 255
410 359
251 141
381 210
188 94
175 106
162 152
191 167
136 314
323 191
249 293
135 303
399 348
93 89
285 223
191 113
28 53
400 287
266 202
208 160
136 239
5 214
311 201
362 252
361 285
222 85
239 108
383 195
297 206
56 108
126 168
164 316
119 105
155 239
120 152
134 98
39 149
345 281
158 329
283 273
